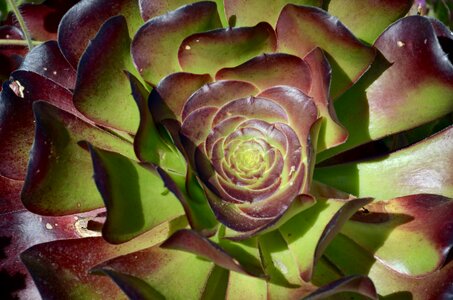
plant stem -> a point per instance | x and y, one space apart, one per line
7 42
21 21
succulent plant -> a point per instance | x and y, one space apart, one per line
230 149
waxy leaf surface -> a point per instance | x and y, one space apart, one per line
424 167
102 91
95 14
348 57
135 196
424 223
54 157
155 46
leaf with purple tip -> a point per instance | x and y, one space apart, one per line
423 221
421 168
208 52
367 19
155 46
54 157
348 57
102 91
309 232
135 196
95 14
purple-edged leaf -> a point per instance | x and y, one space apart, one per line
94 13
47 61
174 90
387 101
217 94
102 91
424 167
149 145
151 9
189 193
301 29
268 70
357 284
16 127
155 46
331 132
10 195
423 221
251 12
193 242
134 195
208 52
167 271
33 86
61 268
309 233
368 18
20 230
51 185
389 283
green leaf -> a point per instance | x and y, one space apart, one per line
279 262
308 233
388 283
166 271
102 91
368 18
396 93
208 52
421 168
155 46
424 223
149 145
135 196
301 29
61 269
245 287
52 187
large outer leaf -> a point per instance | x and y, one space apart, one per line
424 223
389 283
167 271
208 52
51 185
417 88
309 232
421 168
155 46
102 91
135 196
368 18
301 29
47 61
61 268
20 230
95 13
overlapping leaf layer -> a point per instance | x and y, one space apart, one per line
202 150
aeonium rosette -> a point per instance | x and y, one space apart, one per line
198 126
